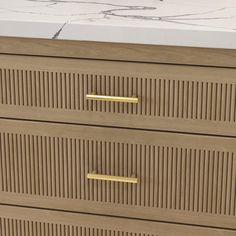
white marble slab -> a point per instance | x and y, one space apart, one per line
197 23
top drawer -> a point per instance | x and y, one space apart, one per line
169 97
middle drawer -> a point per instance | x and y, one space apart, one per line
180 178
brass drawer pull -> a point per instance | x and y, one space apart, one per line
111 98
122 179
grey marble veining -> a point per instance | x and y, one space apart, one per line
202 23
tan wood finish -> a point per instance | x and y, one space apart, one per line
181 178
24 221
170 97
118 51
148 176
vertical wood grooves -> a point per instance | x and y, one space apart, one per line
169 177
20 227
159 97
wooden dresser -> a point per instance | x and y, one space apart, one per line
108 139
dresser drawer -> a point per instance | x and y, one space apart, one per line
151 96
25 221
174 177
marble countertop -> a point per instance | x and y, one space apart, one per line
196 23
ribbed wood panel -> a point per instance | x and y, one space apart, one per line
12 227
18 221
186 179
160 97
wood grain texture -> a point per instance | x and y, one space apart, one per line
179 173
118 51
178 98
33 222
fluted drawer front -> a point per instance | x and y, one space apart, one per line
178 175
181 98
34 222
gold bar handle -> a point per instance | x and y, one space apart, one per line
122 179
111 98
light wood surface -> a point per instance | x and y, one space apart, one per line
186 179
170 97
181 178
25 221
120 52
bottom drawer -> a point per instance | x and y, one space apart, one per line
30 222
